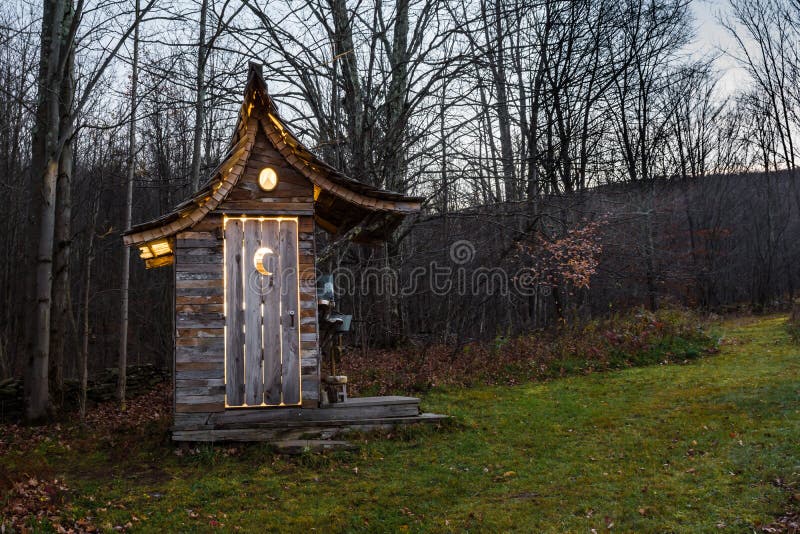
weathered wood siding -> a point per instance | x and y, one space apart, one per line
309 329
199 319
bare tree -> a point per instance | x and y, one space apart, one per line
87 291
126 254
768 35
55 126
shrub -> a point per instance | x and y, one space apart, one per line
633 339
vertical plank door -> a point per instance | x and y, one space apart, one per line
290 314
234 315
262 320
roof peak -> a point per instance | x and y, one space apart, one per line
256 67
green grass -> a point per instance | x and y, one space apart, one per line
697 447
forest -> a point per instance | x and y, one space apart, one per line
583 154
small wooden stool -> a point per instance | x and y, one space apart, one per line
337 388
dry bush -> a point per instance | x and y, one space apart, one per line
639 338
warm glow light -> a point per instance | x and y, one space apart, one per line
258 260
145 253
160 248
268 179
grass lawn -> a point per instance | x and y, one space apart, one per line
710 445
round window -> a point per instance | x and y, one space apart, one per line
268 179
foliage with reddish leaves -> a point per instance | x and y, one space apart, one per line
641 338
570 260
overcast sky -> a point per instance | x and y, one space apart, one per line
713 39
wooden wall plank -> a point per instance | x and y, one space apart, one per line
201 382
198 374
234 342
214 258
271 329
254 380
202 307
218 392
200 275
255 205
200 408
201 332
290 314
189 300
306 224
198 291
188 341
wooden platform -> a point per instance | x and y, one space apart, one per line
272 424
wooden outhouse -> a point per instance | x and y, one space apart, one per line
247 354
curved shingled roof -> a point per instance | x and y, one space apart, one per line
341 202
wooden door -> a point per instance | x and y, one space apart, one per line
262 318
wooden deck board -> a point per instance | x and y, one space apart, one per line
355 409
303 430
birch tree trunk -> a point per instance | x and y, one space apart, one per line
45 171
126 251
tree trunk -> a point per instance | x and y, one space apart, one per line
395 143
498 68
61 274
199 111
794 318
353 105
38 368
63 230
126 251
87 285
45 147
